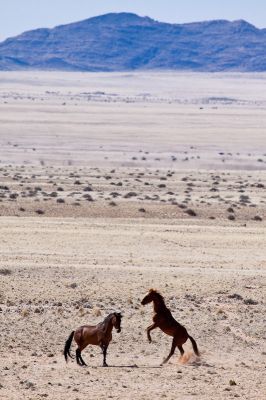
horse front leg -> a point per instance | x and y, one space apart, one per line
104 350
171 352
150 328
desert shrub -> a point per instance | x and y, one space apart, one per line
244 198
129 195
5 271
87 189
257 218
235 296
114 194
191 212
250 302
88 197
39 211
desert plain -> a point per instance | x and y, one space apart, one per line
112 184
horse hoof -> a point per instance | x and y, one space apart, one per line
105 365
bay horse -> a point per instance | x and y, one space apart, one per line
99 335
164 320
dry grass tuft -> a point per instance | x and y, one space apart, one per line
96 312
24 313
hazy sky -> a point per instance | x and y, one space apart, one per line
17 16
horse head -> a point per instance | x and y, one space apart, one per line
116 320
150 297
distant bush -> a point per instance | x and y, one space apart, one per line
5 271
130 194
250 302
257 218
39 211
191 212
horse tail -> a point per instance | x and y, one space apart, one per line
194 345
68 345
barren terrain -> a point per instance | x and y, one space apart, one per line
111 184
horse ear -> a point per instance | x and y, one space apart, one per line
151 290
118 314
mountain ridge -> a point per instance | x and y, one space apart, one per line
126 41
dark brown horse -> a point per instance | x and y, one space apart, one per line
99 335
164 320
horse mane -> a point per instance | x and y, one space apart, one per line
106 319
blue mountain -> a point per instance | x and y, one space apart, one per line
125 41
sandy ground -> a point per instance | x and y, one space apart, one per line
150 120
111 185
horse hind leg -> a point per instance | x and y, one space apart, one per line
184 358
77 356
171 352
83 362
79 359
180 348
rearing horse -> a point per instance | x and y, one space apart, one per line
99 335
164 320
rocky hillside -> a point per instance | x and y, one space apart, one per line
121 42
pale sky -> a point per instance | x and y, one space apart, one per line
17 16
